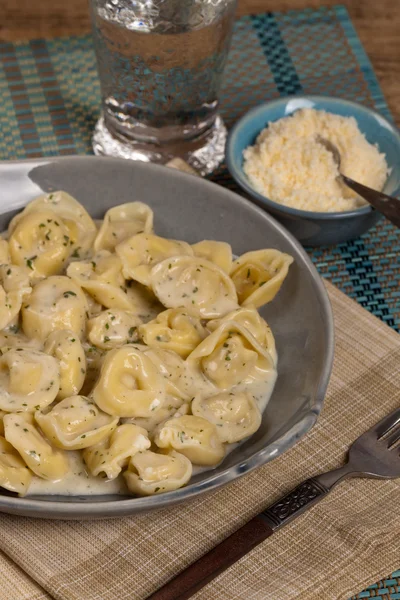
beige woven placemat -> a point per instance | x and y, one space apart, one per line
346 542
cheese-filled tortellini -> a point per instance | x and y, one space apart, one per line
40 456
121 222
113 328
113 454
172 407
29 380
141 252
102 278
66 347
14 289
55 303
125 355
195 437
173 329
129 384
251 320
94 308
75 423
201 287
5 257
14 476
179 381
94 360
219 253
146 305
230 355
11 338
235 414
80 226
258 275
2 413
40 242
150 473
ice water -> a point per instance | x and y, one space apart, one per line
160 65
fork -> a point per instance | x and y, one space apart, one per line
374 454
387 205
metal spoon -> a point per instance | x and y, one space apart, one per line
387 205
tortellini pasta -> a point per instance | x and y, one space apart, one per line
40 456
94 360
40 242
141 252
126 357
172 407
80 226
150 473
113 328
236 415
66 347
55 303
75 423
11 338
122 222
219 253
258 276
102 278
198 285
94 308
29 380
230 355
249 318
2 413
14 289
192 436
110 456
5 257
179 381
129 384
14 476
173 329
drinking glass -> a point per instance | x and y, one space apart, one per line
160 64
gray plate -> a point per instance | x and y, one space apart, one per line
192 209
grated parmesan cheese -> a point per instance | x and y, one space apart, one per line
289 166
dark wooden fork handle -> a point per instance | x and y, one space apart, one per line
187 583
192 579
368 457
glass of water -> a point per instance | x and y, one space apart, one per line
160 64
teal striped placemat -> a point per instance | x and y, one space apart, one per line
50 103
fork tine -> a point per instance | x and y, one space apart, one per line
393 438
387 423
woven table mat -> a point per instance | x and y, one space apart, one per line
329 553
50 103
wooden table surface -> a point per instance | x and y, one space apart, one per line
377 23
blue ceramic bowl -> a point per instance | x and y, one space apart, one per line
316 228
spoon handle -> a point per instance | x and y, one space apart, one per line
388 206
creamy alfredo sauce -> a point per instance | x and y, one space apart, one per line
185 376
78 481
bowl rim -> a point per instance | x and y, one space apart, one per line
92 509
240 178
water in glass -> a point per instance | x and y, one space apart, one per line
160 64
